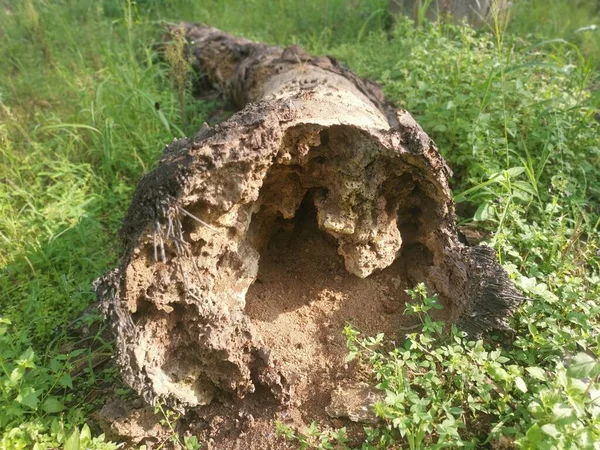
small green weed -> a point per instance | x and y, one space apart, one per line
169 420
313 437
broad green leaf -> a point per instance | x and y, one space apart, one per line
55 365
86 434
551 430
537 373
578 384
52 405
351 356
66 381
563 414
455 410
26 359
28 397
515 171
73 441
16 375
521 195
582 366
498 373
484 212
521 385
524 186
79 351
13 410
534 434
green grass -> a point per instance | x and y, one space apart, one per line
512 113
573 21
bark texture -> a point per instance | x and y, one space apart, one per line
308 130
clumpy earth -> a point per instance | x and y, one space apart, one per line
301 302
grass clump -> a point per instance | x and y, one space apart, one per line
513 112
175 56
575 21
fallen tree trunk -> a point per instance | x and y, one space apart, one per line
310 136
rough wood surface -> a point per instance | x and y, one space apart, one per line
310 136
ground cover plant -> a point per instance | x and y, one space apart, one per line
86 108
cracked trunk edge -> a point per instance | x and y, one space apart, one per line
197 223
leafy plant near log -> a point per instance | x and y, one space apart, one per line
440 385
95 90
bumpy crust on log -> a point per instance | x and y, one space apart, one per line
196 224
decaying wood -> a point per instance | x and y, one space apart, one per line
307 130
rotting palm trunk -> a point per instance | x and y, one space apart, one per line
308 129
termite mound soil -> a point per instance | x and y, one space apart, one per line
303 298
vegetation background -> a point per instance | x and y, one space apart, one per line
86 108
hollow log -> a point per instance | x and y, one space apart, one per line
309 134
